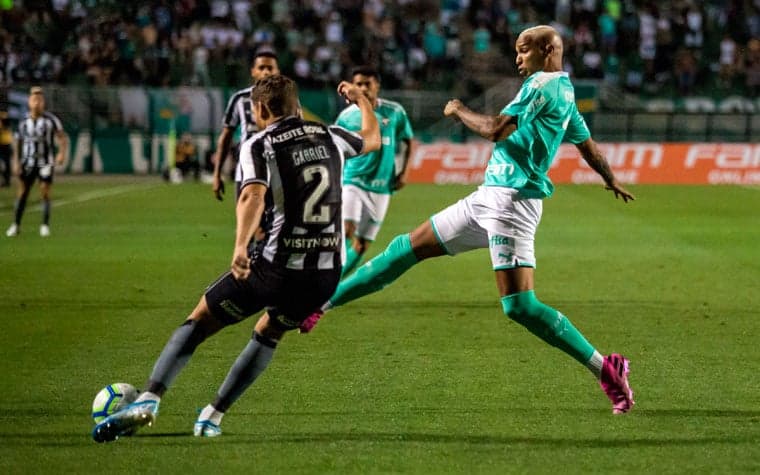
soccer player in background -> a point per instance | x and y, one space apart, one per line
239 113
503 214
6 148
369 180
292 168
34 158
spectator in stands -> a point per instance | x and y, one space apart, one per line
728 61
752 68
686 71
414 42
6 148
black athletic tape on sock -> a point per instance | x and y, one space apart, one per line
264 340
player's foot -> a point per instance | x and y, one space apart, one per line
12 231
308 324
614 382
44 230
206 428
126 421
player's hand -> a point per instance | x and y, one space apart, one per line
452 107
60 159
241 264
619 191
350 92
218 187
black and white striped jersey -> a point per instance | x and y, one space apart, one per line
37 139
239 113
301 162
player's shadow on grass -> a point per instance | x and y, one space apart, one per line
165 434
637 412
518 442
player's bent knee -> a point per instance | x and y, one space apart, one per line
522 306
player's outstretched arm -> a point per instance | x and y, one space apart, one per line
370 130
491 127
590 152
222 150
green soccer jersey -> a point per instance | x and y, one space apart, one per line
546 114
376 171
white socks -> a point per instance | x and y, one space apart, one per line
148 396
211 414
594 364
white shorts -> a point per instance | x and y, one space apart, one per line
495 218
366 209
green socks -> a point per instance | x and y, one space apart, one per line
353 259
548 324
377 273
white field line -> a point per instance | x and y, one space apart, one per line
89 196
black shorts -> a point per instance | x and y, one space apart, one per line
295 294
30 174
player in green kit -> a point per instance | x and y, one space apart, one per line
503 214
370 179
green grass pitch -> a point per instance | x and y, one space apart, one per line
426 376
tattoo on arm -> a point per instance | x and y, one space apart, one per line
596 161
487 126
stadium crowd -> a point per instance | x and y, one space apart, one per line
639 45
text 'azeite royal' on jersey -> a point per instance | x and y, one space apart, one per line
37 139
301 163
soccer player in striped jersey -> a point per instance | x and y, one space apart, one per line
292 169
239 114
369 180
503 214
34 158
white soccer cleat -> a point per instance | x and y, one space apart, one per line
206 428
44 230
126 421
12 231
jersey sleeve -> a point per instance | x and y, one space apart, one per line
350 143
254 161
231 118
57 125
527 104
577 130
350 118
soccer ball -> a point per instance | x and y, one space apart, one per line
112 398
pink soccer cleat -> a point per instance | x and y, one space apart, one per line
614 382
311 321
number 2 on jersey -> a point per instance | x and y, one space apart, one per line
313 212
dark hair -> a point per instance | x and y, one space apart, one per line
365 70
278 92
263 54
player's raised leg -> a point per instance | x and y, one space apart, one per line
403 252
